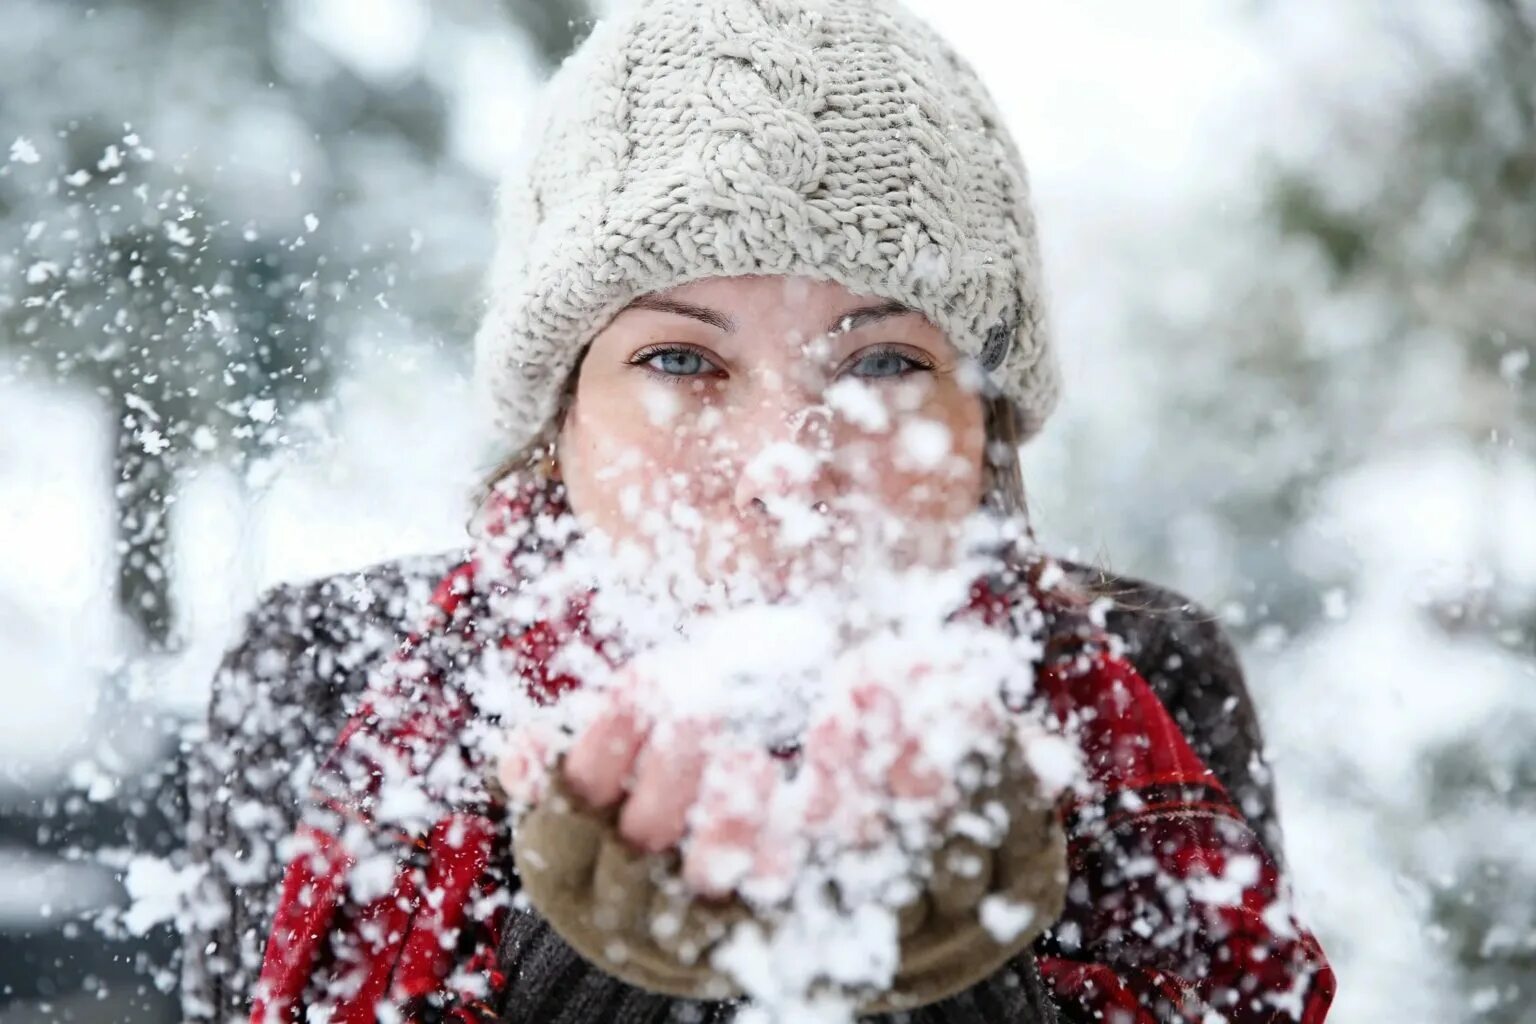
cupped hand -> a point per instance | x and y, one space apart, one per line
738 814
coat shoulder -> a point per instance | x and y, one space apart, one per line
346 604
1156 620
308 644
280 695
1180 647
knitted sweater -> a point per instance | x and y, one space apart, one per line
287 685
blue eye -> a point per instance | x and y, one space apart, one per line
675 362
885 363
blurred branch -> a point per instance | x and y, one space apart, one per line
554 26
1517 42
1519 16
143 484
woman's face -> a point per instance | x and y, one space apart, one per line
773 427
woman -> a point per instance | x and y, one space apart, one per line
766 307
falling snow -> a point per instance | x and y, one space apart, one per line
1292 394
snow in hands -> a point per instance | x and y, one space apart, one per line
803 742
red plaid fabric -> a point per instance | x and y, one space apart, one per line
1175 912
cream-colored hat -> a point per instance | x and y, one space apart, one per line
836 139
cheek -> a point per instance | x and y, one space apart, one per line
623 455
927 464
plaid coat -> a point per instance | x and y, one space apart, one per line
288 685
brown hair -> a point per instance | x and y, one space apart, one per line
538 454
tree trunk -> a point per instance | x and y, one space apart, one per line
143 485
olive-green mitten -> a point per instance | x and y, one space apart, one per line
631 914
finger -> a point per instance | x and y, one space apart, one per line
828 754
524 766
781 846
877 712
913 776
603 756
666 784
727 821
842 802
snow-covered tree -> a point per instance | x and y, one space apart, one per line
204 209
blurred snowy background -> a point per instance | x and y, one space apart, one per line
1292 247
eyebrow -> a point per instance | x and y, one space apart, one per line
688 309
851 320
864 315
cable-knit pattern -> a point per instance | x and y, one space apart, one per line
841 140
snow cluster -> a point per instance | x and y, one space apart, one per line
862 676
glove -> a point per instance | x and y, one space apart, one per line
978 903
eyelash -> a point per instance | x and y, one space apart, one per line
915 363
643 358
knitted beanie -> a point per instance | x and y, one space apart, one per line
841 140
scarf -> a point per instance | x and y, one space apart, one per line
396 897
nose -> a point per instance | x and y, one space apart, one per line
789 461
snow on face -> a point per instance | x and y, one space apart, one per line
860 404
925 445
760 428
778 486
